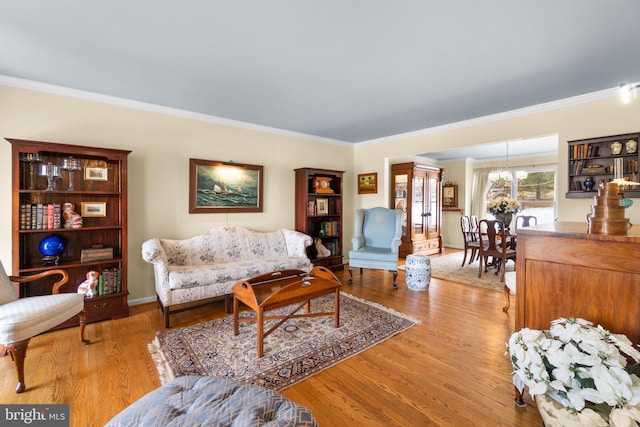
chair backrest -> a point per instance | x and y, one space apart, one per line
378 226
526 221
7 291
465 226
493 234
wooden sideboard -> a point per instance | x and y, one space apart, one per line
562 271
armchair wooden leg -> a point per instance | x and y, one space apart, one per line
83 322
18 352
395 276
350 281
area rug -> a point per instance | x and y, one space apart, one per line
294 351
448 267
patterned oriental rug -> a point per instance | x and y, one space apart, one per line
294 351
447 267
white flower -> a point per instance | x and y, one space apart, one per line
579 364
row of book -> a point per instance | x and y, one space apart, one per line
330 228
40 216
619 168
332 245
109 281
580 151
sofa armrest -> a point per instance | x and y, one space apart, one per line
296 242
153 252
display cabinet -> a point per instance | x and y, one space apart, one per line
417 192
69 210
318 202
596 160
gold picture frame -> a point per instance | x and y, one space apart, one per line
93 209
368 183
95 174
224 187
322 206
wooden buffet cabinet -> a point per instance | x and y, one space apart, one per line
94 180
562 271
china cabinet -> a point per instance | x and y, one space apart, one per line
318 203
417 191
69 210
594 161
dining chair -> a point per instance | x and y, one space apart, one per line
525 221
497 238
471 240
23 318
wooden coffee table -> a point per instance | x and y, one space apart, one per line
279 289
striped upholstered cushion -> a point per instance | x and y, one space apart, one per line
208 401
27 317
7 291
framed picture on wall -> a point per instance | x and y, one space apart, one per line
224 187
368 183
450 196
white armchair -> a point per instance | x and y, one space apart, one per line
376 241
23 318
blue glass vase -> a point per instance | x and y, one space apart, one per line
51 248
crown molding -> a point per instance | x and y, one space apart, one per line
154 108
539 108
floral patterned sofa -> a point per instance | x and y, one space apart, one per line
208 265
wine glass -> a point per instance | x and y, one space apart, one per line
51 171
70 165
31 159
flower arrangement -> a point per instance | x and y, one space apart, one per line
503 205
582 367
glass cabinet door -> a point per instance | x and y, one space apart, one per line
400 196
432 208
418 208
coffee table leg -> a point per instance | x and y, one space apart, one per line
336 305
235 315
260 331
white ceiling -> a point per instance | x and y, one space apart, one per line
349 71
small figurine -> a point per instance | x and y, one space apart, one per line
71 218
323 252
88 287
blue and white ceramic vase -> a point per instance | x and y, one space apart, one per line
418 272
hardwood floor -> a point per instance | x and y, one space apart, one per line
448 371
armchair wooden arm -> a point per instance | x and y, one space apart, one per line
56 286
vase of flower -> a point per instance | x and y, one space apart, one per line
505 218
503 208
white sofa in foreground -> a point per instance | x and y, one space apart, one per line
208 265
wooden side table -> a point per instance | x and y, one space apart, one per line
282 288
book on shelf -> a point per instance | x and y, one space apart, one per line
96 254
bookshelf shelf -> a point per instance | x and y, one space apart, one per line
602 159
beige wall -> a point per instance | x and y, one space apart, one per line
159 166
585 120
162 145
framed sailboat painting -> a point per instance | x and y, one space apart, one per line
224 187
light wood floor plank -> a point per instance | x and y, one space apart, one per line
448 371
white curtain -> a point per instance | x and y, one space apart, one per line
478 190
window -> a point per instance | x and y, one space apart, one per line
534 187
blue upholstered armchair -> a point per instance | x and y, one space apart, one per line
376 241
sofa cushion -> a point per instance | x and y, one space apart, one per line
181 277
